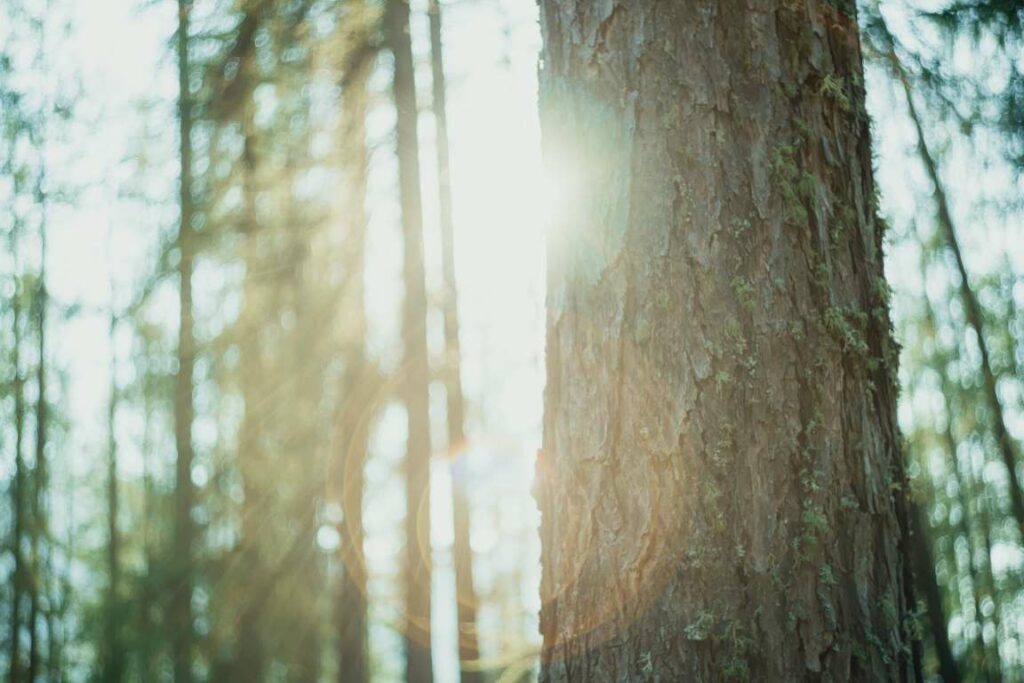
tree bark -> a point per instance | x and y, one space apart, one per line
462 552
419 666
180 609
721 482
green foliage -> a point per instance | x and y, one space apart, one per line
846 326
834 89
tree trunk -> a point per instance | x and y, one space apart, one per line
721 483
416 379
180 609
357 410
462 552
993 658
147 629
41 475
114 664
927 579
925 572
19 504
972 308
253 464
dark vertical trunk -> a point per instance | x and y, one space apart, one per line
972 308
180 608
469 651
925 571
721 483
114 664
357 399
419 666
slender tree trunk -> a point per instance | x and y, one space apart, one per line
19 504
462 552
180 609
147 630
114 664
925 570
972 308
721 483
994 660
40 526
249 659
357 405
419 665
964 495
964 490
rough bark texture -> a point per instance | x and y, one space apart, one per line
415 370
721 482
180 608
462 552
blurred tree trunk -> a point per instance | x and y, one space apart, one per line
180 608
20 515
249 657
415 367
357 385
994 660
972 308
721 483
462 552
114 654
925 571
40 474
147 628
925 574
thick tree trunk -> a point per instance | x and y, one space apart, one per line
419 666
721 482
180 609
358 401
462 553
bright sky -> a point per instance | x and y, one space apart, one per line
120 52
